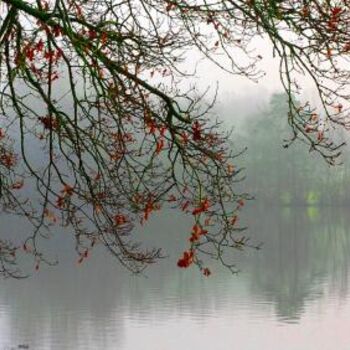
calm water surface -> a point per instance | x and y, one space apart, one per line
293 294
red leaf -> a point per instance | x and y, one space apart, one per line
160 146
206 272
196 129
185 205
119 219
202 208
240 203
17 185
336 11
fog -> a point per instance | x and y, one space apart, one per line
296 286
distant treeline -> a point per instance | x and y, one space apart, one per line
288 176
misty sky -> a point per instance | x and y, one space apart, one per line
239 94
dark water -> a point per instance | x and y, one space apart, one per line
293 294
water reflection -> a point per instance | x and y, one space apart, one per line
304 251
298 281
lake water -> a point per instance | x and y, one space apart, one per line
293 294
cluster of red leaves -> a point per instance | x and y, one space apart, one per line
17 185
186 260
82 256
197 131
8 159
50 215
120 143
172 198
312 126
197 232
212 139
49 123
35 53
104 38
120 219
153 128
184 138
334 18
66 192
29 52
122 137
53 55
203 207
40 72
139 199
149 207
